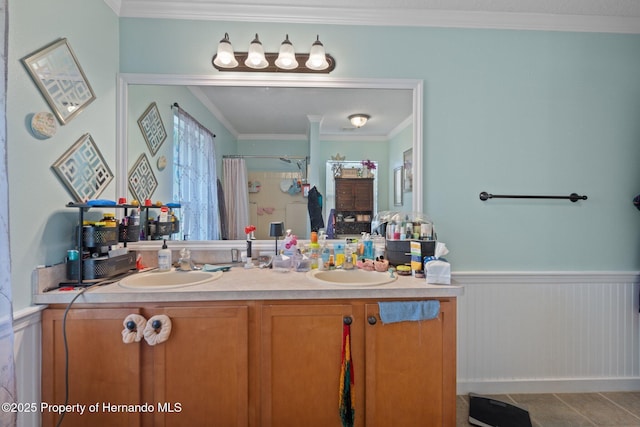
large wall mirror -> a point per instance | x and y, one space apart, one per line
221 94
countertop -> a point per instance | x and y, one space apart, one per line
239 284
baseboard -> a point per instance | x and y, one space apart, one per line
552 385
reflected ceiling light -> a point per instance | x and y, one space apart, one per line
285 61
359 120
317 56
287 56
255 58
225 57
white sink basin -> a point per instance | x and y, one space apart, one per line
168 279
354 277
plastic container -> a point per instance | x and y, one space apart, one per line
281 264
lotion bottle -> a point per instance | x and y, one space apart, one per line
164 257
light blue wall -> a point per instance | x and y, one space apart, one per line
512 112
397 146
41 227
504 112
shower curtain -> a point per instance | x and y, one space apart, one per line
236 193
7 371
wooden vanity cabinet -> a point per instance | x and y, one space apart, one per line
300 364
256 364
410 370
199 375
405 373
101 367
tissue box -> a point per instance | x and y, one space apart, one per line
438 272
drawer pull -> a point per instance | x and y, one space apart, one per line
372 320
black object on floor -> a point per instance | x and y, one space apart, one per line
487 412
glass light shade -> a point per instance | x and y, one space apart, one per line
255 58
359 120
287 56
225 58
317 57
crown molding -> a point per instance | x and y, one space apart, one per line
375 16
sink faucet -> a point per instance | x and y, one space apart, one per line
185 263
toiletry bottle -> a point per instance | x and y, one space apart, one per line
368 247
338 250
314 254
164 257
325 254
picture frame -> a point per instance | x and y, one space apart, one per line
398 181
83 170
407 163
141 180
57 73
152 128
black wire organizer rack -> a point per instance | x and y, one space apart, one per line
574 197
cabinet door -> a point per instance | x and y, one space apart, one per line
301 359
345 196
102 369
410 370
363 192
200 373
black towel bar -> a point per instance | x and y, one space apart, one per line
486 196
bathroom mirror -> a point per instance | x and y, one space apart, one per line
294 85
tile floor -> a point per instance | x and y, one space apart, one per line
611 409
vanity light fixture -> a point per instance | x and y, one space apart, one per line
317 57
286 60
225 57
255 58
359 120
287 56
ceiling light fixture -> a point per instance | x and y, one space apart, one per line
286 60
359 120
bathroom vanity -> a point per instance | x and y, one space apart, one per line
253 348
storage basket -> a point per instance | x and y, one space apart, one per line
349 173
101 268
95 237
128 233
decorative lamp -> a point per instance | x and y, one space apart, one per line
255 57
359 120
225 58
287 56
276 229
317 57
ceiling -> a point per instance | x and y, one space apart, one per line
253 113
285 113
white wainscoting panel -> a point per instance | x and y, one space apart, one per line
548 332
27 355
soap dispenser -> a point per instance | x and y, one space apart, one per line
164 257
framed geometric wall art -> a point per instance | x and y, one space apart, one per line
407 163
58 75
152 128
83 170
142 181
